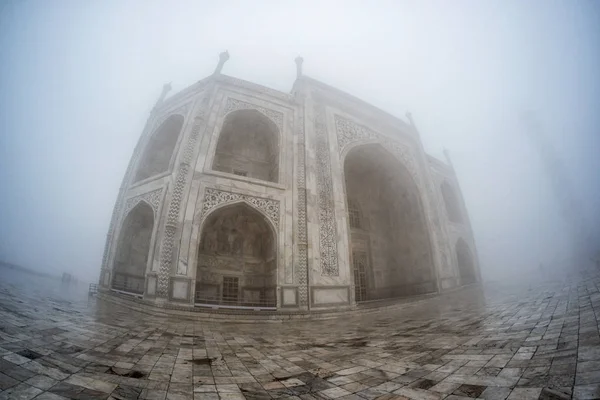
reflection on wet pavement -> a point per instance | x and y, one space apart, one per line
516 342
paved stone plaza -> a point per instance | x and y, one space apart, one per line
496 342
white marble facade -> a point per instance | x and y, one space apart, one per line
297 187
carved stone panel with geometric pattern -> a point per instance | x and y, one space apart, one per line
327 225
216 197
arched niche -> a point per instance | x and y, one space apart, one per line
464 259
157 154
248 146
133 249
451 203
237 259
391 252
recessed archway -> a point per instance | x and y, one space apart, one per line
390 247
466 266
237 259
158 152
248 146
451 202
133 249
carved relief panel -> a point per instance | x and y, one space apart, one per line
327 223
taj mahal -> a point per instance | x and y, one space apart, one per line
241 197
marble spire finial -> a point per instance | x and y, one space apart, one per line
299 60
448 159
223 57
410 118
163 94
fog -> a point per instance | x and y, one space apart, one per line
79 78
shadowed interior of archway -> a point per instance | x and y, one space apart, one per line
390 250
159 150
133 248
237 259
466 268
248 146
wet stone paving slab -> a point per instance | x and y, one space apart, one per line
537 341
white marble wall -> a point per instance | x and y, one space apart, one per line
314 110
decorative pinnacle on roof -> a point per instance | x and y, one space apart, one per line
299 60
165 89
448 159
223 57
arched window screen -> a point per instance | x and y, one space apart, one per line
354 214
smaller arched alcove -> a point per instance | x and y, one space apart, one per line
237 259
466 266
133 249
451 203
157 154
248 146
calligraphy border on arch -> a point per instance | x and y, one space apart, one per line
234 104
216 197
348 131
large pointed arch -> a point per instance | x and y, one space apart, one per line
248 145
237 258
466 264
391 254
133 249
157 154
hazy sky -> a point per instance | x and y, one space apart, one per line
78 79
